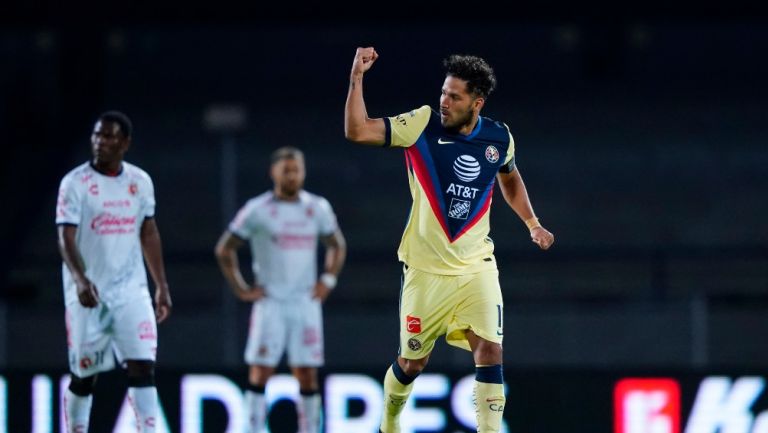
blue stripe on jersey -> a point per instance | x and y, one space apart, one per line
462 169
488 190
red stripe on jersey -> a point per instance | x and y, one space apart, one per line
422 174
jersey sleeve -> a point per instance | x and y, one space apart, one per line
69 202
404 129
509 163
148 199
243 225
327 219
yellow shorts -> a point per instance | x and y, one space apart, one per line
432 305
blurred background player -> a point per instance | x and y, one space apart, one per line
105 218
283 227
450 281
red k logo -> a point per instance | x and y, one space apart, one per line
413 324
647 406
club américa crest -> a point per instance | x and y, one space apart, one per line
491 154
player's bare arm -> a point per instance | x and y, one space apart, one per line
516 196
335 255
153 255
87 292
226 257
358 127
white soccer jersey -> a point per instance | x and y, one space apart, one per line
283 237
108 212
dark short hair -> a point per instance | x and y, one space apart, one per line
126 127
286 152
474 70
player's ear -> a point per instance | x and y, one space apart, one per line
479 103
272 172
126 144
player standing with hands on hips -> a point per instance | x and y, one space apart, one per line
283 227
105 217
454 157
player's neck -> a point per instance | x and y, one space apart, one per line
469 127
283 196
111 169
466 128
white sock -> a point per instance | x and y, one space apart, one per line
489 406
309 410
144 402
255 412
395 396
78 412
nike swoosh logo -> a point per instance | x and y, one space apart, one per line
499 333
441 141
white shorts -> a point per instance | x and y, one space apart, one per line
279 324
129 329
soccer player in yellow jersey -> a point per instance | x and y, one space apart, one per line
450 281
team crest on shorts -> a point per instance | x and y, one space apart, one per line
491 154
85 363
147 331
414 344
311 336
459 209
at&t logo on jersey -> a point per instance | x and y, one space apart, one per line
647 406
461 191
466 168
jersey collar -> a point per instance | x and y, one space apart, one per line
477 129
107 174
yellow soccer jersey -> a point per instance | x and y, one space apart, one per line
452 178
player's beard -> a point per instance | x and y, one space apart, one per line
462 119
108 152
104 158
290 190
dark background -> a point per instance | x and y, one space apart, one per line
542 401
640 130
